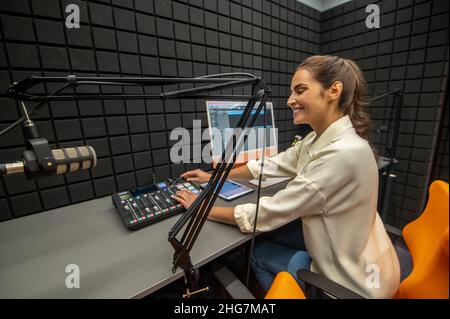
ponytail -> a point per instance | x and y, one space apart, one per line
357 109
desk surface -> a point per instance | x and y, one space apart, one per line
113 261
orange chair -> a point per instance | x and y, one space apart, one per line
285 286
427 239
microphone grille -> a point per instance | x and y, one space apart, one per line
72 159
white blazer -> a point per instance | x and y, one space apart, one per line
334 191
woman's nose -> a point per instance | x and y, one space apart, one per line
291 101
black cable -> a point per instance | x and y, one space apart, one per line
204 202
218 170
126 82
245 122
258 195
34 110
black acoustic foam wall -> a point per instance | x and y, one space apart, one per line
137 38
410 52
190 38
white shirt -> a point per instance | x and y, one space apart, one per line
334 191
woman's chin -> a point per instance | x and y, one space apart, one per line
299 120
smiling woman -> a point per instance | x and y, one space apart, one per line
334 188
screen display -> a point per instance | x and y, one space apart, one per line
231 190
224 116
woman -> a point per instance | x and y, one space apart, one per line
334 188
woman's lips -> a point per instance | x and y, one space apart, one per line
298 110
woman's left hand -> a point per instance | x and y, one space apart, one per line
185 197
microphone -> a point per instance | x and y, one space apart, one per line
60 161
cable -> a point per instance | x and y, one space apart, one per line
258 195
204 202
85 82
34 110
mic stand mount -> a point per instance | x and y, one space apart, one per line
197 213
37 156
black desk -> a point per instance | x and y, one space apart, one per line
114 262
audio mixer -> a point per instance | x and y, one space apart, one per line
152 203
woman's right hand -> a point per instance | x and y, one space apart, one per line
196 176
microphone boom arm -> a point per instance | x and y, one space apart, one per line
198 212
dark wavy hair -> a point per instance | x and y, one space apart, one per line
353 101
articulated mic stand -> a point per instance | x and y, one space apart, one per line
197 213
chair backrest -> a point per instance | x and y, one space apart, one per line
285 286
427 240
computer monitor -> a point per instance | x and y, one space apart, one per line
223 117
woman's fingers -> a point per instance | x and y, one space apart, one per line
181 193
185 197
186 175
184 193
181 201
195 176
189 174
190 178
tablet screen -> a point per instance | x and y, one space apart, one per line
232 190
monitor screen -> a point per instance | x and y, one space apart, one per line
223 117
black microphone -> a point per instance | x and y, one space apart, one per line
60 161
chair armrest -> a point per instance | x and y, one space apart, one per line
325 285
235 288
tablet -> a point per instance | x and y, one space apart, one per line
232 190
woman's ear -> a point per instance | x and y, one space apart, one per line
335 90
